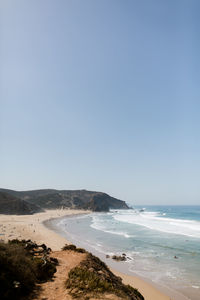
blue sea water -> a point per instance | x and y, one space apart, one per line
162 242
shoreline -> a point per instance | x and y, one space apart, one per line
36 228
150 289
33 227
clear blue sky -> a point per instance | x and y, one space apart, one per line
101 95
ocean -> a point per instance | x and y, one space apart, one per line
162 243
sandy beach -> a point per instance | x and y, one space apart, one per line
32 227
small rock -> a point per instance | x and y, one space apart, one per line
119 258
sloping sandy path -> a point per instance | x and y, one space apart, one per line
55 290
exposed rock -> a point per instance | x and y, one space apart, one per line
119 257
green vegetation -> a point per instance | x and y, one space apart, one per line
73 248
92 278
22 265
78 199
10 204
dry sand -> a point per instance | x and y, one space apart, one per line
55 289
146 289
32 227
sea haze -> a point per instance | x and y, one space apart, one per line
162 242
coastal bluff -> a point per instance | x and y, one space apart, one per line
33 271
37 200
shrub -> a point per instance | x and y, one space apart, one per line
69 247
44 270
93 277
20 270
73 248
16 266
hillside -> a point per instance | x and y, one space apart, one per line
76 199
32 271
12 205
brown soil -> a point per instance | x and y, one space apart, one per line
55 289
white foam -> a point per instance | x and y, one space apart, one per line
95 226
102 225
152 220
